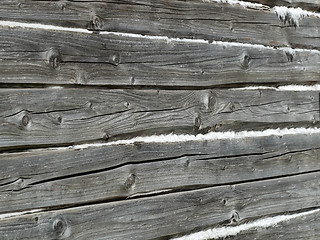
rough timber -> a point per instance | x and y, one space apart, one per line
85 86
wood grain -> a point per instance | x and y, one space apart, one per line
167 215
55 178
48 116
48 57
173 18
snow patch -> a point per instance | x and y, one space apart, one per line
315 87
173 138
241 3
55 87
292 16
14 214
160 38
223 232
11 24
296 88
254 88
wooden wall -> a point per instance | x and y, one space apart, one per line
76 76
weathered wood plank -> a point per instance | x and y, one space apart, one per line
167 215
306 227
33 117
53 178
47 57
173 18
312 5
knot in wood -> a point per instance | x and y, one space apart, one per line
96 23
25 120
245 60
232 107
20 183
187 163
197 123
131 179
211 101
106 136
289 55
54 59
59 119
115 60
127 104
235 218
132 80
217 127
61 228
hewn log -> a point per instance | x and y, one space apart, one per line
170 214
48 116
54 178
173 18
46 57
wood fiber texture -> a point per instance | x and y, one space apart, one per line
173 18
70 177
47 116
75 73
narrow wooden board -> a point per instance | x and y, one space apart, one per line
173 18
54 178
301 228
167 215
48 57
48 116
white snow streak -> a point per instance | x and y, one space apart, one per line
241 3
223 232
174 138
299 88
55 87
296 88
11 24
14 214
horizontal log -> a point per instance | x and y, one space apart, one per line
312 5
306 227
173 18
167 215
54 178
48 116
47 57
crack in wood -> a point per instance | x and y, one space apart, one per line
112 168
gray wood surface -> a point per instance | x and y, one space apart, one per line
174 18
306 227
46 116
54 178
118 87
46 57
170 214
312 5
